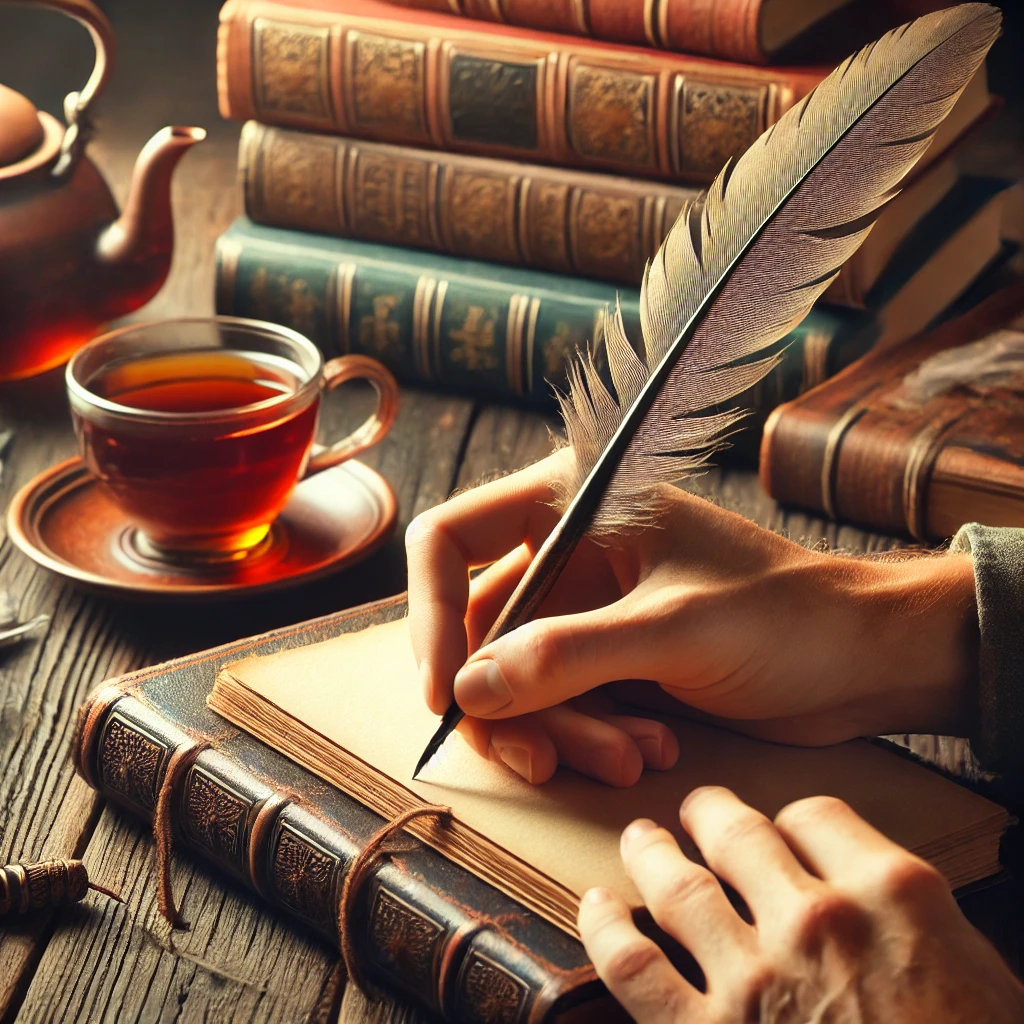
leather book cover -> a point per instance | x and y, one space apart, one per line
466 326
565 222
868 447
427 79
726 29
421 924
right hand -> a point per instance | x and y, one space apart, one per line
728 618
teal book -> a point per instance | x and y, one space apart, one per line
480 329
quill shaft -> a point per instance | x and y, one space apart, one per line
554 554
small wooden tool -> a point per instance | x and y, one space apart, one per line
25 888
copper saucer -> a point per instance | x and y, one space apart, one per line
64 521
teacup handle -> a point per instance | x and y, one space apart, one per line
336 372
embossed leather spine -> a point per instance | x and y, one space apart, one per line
426 79
725 29
423 925
568 222
854 448
472 327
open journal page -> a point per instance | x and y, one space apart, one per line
359 694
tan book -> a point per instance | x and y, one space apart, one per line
350 710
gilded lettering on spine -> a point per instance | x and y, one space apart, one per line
473 344
479 215
290 70
387 85
611 115
713 121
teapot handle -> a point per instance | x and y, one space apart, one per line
76 104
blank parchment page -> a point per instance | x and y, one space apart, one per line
361 691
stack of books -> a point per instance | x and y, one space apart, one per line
444 186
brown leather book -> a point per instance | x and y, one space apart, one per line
353 67
420 924
546 845
568 222
749 31
917 439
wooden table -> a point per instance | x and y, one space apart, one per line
239 962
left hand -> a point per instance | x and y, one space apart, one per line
847 926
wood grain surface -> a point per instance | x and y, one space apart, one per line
239 962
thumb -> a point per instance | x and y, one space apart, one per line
547 661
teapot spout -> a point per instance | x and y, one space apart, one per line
141 239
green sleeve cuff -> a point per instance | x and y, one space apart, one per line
997 736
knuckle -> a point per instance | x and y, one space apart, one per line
825 915
740 830
683 889
904 878
811 809
629 961
547 651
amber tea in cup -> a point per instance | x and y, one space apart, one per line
200 429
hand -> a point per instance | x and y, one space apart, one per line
847 926
732 620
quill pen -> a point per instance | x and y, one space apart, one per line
740 268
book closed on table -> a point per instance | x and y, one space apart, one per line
919 439
472 327
751 31
362 69
476 919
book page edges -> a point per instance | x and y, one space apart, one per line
270 724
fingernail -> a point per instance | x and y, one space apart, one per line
597 896
518 759
605 763
480 688
652 751
636 830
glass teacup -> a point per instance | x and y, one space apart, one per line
200 428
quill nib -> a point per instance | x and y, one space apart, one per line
451 719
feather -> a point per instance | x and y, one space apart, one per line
742 265
740 268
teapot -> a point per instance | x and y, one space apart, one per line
69 260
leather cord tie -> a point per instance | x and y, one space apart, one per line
354 877
181 760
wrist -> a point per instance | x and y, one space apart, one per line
921 617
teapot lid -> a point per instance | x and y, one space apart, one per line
21 131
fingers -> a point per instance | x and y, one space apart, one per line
613 749
636 972
743 847
684 898
475 528
550 660
842 848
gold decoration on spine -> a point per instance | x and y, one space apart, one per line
228 254
344 279
421 326
531 337
439 294
579 15
651 22
514 343
830 458
815 362
925 447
